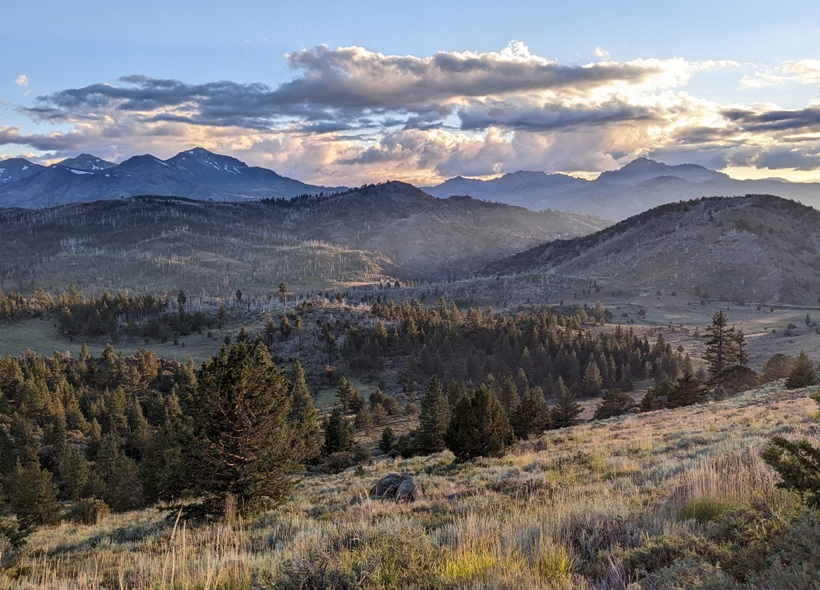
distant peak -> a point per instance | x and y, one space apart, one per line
198 151
644 162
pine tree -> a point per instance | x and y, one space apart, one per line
725 345
303 418
32 495
434 418
592 381
338 433
566 410
532 415
614 403
686 392
798 463
479 427
802 373
387 440
379 415
364 419
348 396
243 437
508 395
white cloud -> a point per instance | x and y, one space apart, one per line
350 116
22 80
806 71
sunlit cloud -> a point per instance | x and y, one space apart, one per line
350 115
22 80
794 72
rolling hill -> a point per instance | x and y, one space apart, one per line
752 248
364 235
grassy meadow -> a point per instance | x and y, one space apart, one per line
668 499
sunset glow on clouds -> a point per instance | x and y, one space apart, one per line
349 115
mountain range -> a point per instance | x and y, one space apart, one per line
195 173
616 195
200 174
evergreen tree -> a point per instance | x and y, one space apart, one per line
285 329
725 345
242 435
592 379
686 392
479 427
434 418
74 473
348 396
364 419
532 415
303 418
338 433
614 403
802 373
455 391
798 463
379 415
566 410
508 395
32 495
387 440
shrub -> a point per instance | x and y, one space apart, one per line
777 367
802 373
88 511
703 510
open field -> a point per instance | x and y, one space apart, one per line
652 499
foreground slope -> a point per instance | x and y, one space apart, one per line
753 248
669 499
153 243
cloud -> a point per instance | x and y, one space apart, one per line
22 80
350 115
758 120
806 71
348 84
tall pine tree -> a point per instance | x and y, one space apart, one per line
243 436
434 418
303 418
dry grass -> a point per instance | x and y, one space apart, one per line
571 509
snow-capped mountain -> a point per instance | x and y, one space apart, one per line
196 174
87 163
15 169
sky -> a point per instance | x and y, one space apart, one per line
346 93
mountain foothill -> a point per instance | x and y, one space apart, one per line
647 225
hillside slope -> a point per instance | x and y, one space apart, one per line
155 243
753 248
